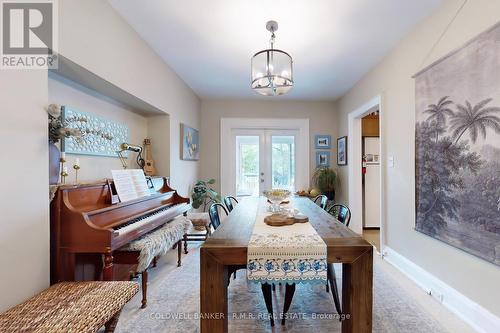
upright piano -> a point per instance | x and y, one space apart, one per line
87 225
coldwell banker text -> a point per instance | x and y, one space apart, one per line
29 34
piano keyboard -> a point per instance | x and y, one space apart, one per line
138 222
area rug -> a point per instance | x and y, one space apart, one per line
173 306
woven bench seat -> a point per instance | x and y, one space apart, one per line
144 251
71 307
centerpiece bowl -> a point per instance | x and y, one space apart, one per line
276 196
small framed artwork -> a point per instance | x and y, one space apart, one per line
323 141
322 159
190 145
342 151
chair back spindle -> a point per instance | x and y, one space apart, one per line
228 201
213 212
342 213
321 200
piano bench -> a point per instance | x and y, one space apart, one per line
145 250
71 307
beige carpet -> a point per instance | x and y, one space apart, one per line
174 304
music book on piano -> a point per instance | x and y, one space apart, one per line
130 184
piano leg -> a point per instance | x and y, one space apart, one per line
185 244
107 274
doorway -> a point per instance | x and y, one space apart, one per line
260 154
265 159
366 178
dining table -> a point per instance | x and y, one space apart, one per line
228 246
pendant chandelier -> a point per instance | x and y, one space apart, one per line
272 70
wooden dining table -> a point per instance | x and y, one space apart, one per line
228 246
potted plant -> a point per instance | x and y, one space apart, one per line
203 194
325 179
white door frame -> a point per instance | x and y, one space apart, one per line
227 165
354 148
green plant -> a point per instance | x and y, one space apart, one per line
325 179
203 194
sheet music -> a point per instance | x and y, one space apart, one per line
130 184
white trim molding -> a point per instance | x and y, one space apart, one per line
354 149
472 313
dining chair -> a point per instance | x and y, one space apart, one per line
322 199
228 201
343 214
215 221
213 212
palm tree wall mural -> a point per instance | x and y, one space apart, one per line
457 148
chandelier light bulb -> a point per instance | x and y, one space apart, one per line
272 69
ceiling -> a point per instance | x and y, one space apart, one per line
333 43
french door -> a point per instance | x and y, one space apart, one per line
263 159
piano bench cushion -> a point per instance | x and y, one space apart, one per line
158 242
70 307
200 220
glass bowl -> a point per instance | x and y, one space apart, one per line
276 196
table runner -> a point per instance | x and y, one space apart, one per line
288 254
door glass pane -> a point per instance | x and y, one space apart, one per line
247 165
283 162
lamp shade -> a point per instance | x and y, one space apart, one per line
272 72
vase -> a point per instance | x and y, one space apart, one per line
54 163
330 195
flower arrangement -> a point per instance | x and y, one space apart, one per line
69 127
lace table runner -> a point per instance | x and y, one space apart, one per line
288 254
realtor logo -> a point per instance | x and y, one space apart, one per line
29 34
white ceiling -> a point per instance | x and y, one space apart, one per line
333 43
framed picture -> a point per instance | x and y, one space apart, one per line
342 151
190 143
322 159
323 141
103 136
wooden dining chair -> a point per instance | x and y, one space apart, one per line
343 214
215 221
228 201
321 200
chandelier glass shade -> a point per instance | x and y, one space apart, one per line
272 69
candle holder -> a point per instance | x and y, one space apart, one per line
64 174
76 167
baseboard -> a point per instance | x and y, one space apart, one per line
472 313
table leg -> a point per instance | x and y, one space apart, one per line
213 294
357 294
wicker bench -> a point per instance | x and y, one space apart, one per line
71 307
145 250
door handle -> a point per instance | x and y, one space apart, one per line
262 180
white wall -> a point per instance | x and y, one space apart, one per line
321 115
94 36
473 277
66 92
24 224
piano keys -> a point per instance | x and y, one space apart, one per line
86 227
